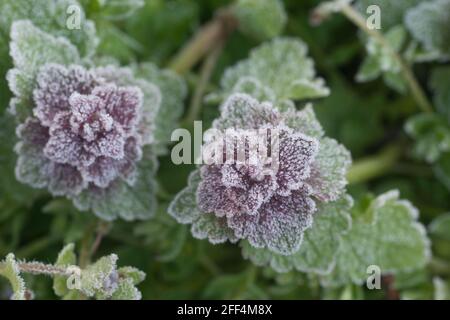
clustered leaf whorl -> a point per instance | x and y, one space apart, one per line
232 201
86 131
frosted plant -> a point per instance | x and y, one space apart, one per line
100 280
231 202
85 131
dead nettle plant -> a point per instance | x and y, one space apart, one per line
90 130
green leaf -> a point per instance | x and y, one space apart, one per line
429 23
440 84
381 59
95 278
51 16
163 234
260 19
320 244
392 12
122 200
384 233
136 275
234 286
432 135
275 71
126 291
10 270
442 170
204 226
119 9
66 257
173 92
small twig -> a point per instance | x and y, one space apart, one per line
205 76
102 230
205 40
391 292
41 268
85 250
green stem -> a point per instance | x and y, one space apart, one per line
37 268
374 166
85 251
205 76
414 86
205 40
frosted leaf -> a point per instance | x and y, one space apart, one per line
52 17
304 121
392 12
136 275
270 206
100 277
381 60
152 97
123 104
386 234
320 242
204 226
126 291
10 270
282 67
328 177
260 19
87 138
32 165
432 135
66 257
120 199
184 206
279 224
173 91
31 48
428 23
55 85
213 228
244 112
64 179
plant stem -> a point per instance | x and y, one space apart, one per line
205 76
374 166
414 86
102 229
205 39
41 268
85 252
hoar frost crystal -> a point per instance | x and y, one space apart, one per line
86 132
233 201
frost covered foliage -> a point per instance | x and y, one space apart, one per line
271 208
276 71
83 132
101 280
428 23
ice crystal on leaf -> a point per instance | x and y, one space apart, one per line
83 131
275 71
270 206
385 232
102 279
428 23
